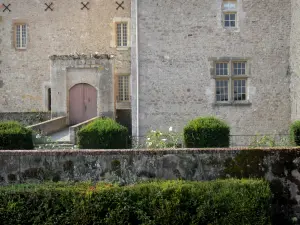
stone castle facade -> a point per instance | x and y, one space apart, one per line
237 60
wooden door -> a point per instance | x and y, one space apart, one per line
82 103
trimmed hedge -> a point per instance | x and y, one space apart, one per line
224 202
205 132
103 133
15 136
295 133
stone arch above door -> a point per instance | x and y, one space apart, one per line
69 70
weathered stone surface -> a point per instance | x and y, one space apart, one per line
279 166
178 39
26 118
67 31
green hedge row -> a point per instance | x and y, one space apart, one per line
171 202
15 136
103 133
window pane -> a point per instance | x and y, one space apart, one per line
222 90
24 36
239 68
239 90
221 69
124 34
123 88
230 19
18 36
119 34
229 5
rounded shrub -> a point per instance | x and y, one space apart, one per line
103 133
15 136
205 132
295 133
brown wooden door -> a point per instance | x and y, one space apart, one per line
82 103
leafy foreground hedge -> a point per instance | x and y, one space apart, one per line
295 133
205 132
15 136
172 202
103 133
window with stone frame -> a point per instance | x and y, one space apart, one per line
123 88
229 8
20 36
122 34
231 81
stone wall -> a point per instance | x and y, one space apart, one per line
294 61
25 74
26 118
279 166
179 40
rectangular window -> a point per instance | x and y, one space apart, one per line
239 68
231 81
222 90
221 69
239 90
21 36
229 19
229 13
123 88
122 34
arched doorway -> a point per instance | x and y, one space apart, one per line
82 103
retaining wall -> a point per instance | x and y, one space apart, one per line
279 166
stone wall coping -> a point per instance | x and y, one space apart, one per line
138 151
81 56
48 121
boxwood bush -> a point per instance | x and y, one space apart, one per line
15 136
224 202
103 133
295 133
205 132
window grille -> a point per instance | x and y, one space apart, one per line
123 88
122 36
21 36
231 81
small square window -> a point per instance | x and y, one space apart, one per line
230 20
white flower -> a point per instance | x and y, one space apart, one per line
164 139
148 139
38 136
170 129
152 131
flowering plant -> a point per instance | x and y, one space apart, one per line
158 139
